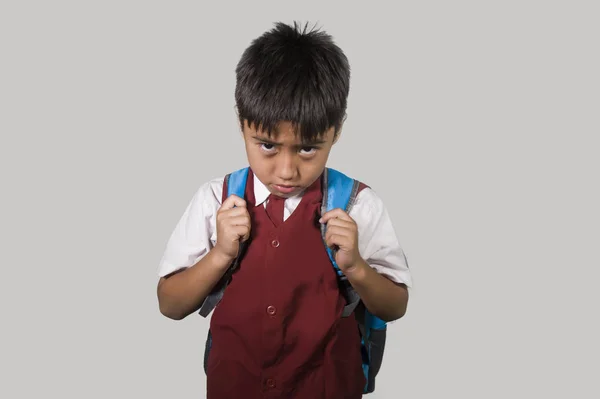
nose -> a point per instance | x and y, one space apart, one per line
286 167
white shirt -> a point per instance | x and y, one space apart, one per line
195 234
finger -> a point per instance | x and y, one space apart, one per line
234 212
341 223
339 230
330 240
242 232
241 220
336 240
334 213
233 201
341 239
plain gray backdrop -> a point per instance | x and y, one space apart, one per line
477 123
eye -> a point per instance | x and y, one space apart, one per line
266 147
308 150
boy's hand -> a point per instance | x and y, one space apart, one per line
233 226
342 233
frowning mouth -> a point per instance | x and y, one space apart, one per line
285 188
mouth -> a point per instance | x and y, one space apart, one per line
285 189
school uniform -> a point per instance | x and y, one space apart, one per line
278 331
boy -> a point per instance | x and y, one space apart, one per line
278 331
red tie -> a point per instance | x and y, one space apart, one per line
275 209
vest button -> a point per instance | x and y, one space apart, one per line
271 310
275 243
271 383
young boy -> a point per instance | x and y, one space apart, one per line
278 330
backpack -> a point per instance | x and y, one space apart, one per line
339 191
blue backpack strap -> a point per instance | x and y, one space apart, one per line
339 191
374 333
236 185
236 182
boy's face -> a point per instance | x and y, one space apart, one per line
283 162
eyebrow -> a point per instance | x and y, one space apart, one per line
307 144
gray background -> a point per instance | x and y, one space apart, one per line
475 121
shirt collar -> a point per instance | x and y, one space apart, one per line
261 192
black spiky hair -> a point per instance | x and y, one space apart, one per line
294 74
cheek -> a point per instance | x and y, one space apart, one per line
258 162
312 170
321 160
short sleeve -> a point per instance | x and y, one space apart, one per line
195 232
377 240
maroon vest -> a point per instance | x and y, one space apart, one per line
278 330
